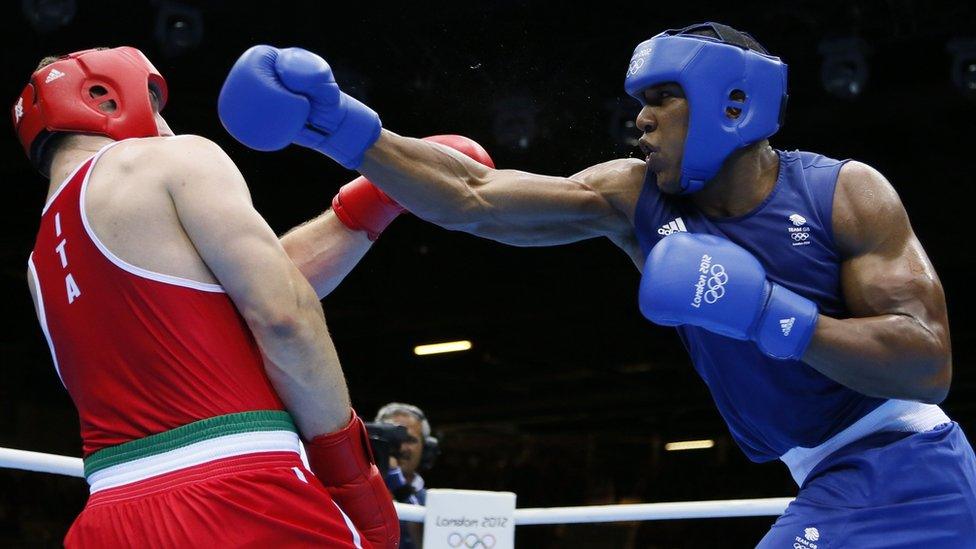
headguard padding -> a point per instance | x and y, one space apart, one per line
103 92
736 96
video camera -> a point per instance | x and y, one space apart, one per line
386 439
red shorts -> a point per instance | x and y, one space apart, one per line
255 500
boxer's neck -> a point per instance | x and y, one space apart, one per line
71 151
745 180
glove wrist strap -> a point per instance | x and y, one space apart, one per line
353 136
787 324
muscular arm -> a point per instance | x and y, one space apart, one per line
897 343
281 309
325 251
449 189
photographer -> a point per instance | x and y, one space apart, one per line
417 451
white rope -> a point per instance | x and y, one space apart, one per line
654 511
64 465
410 513
42 463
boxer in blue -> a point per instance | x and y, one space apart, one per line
795 281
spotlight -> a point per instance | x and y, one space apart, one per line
844 72
438 348
963 52
689 445
48 15
179 28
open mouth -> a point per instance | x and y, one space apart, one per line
648 149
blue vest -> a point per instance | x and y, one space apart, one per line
769 405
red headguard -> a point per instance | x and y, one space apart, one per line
65 96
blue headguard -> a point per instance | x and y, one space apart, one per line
736 96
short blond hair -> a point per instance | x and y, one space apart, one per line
52 58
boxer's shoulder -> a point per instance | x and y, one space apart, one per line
141 175
173 161
866 209
618 181
162 155
126 171
618 173
129 205
140 160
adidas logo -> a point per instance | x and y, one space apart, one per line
787 324
53 75
676 225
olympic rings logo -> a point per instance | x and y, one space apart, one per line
635 66
471 541
716 284
800 237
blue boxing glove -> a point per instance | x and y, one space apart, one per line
273 97
710 282
256 108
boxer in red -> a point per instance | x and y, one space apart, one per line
196 352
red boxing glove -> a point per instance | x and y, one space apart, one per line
469 147
362 206
344 463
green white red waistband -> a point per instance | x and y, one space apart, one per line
191 444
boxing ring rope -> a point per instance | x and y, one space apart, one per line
72 467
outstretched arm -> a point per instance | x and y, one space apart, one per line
273 97
897 343
328 247
508 206
519 208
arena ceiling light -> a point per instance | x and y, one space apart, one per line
439 348
179 28
844 71
49 15
689 445
963 52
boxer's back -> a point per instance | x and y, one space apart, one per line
143 337
129 208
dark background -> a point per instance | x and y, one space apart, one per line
568 395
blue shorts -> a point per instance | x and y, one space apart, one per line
891 490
